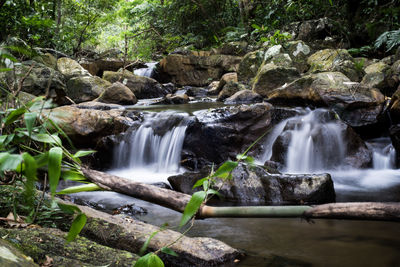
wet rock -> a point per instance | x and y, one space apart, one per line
271 76
11 257
249 66
173 99
355 103
216 135
244 97
394 107
253 185
378 76
142 87
334 60
41 242
86 88
195 91
70 68
86 126
230 89
197 70
118 93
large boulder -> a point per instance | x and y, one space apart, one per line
334 60
271 76
86 125
378 75
11 256
249 66
234 48
118 93
214 136
254 185
46 59
142 87
70 68
299 52
86 88
227 77
197 70
40 79
394 107
355 103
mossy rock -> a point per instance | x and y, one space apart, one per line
41 242
12 257
249 66
86 88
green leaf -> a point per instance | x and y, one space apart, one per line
42 159
14 115
70 209
169 251
76 227
149 260
73 175
46 138
10 57
30 169
255 26
5 69
214 192
9 161
54 168
30 118
192 207
249 160
200 182
82 153
80 188
225 169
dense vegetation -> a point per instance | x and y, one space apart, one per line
156 27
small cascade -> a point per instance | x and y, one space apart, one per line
384 154
146 72
310 142
154 149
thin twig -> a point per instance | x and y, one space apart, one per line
21 82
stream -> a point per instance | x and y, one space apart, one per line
150 154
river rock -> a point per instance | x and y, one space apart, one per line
213 88
39 79
142 87
46 59
254 185
271 76
354 102
394 80
45 245
230 89
85 125
70 68
197 70
244 97
333 60
174 99
299 52
195 91
11 256
216 135
118 93
86 88
249 66
395 137
227 77
394 106
378 76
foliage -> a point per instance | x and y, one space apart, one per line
389 39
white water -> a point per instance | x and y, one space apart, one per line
146 72
317 144
149 154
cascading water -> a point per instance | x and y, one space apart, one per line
146 72
316 142
153 151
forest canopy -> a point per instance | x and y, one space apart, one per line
157 27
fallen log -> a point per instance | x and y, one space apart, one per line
177 201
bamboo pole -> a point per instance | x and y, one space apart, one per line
178 201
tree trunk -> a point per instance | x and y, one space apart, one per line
178 201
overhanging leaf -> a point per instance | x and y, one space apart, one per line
82 153
71 209
9 161
80 188
225 169
76 227
54 168
14 115
192 207
169 251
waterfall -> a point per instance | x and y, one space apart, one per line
152 150
314 142
147 72
384 154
